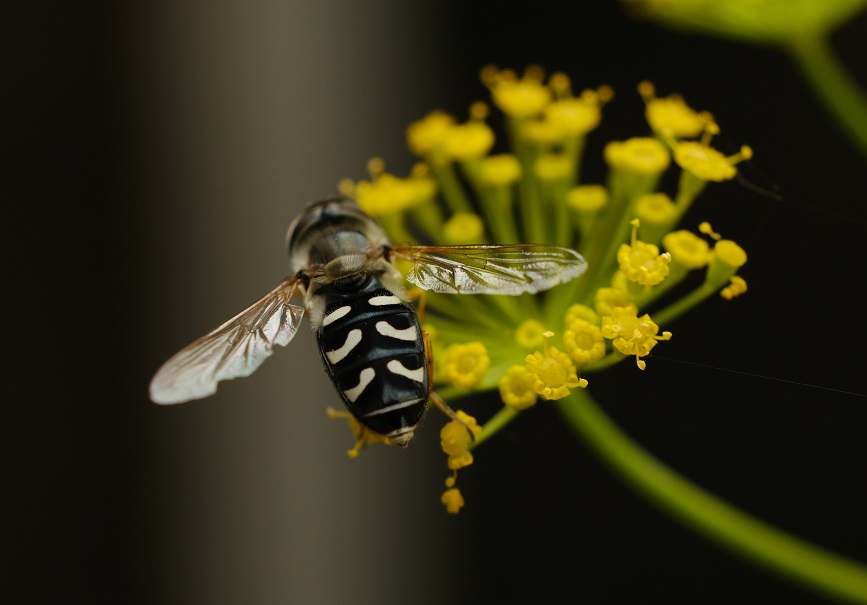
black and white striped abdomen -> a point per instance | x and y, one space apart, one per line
373 349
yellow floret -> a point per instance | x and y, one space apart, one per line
641 262
425 136
583 341
687 249
579 311
671 115
587 198
522 98
516 388
655 209
456 437
553 167
388 194
453 500
641 155
464 228
607 298
632 335
552 372
541 133
574 117
530 334
503 169
464 365
468 141
737 287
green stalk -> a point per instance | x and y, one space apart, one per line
837 90
450 186
493 426
791 557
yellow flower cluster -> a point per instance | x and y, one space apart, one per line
456 438
541 348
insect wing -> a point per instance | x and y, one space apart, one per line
491 269
235 349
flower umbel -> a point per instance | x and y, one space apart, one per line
527 187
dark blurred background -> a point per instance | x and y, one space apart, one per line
155 154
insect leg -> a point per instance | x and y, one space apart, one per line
445 409
421 296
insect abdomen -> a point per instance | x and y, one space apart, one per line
373 349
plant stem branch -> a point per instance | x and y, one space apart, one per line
717 520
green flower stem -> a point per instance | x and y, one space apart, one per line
451 188
682 305
395 225
530 204
460 309
497 207
788 555
494 424
600 364
689 186
613 228
841 95
428 217
562 230
573 148
560 298
677 273
532 214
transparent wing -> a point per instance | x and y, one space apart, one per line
491 269
235 349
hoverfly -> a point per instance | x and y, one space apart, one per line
368 334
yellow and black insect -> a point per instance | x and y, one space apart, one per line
368 334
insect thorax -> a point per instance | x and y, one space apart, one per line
373 350
328 230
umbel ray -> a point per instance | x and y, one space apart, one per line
368 334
